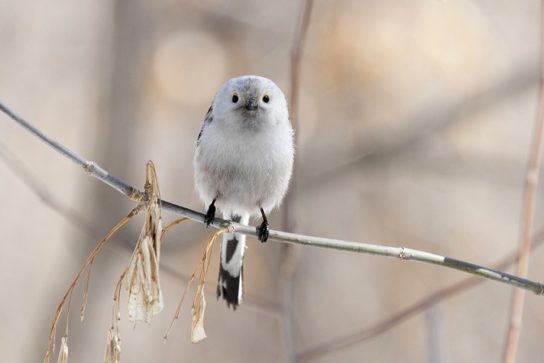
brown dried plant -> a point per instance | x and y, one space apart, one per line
113 341
63 353
113 347
142 278
86 267
180 303
172 224
199 302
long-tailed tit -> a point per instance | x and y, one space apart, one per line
242 165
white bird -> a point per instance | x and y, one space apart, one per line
242 165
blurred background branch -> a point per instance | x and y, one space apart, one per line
429 123
291 253
527 214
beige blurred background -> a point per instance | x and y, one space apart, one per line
414 129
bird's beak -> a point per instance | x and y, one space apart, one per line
252 104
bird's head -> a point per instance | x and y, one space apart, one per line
251 101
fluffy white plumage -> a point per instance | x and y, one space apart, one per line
243 161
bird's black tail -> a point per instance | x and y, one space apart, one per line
233 245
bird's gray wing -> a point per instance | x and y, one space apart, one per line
207 120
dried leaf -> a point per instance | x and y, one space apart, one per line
113 347
199 303
87 265
142 279
197 332
145 296
63 352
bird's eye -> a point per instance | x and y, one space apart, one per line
266 99
234 98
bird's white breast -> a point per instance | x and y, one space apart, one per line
243 167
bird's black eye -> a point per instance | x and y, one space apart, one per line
234 98
266 99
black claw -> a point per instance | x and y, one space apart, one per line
210 214
263 232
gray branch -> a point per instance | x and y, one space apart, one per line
401 253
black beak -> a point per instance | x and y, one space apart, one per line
252 104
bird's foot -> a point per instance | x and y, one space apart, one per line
263 232
210 214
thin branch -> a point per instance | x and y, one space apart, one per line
401 253
527 215
383 326
180 303
37 186
89 166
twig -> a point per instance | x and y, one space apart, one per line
347 340
401 253
172 224
199 301
87 165
180 303
37 186
527 215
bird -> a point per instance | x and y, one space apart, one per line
242 166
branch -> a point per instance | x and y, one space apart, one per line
38 187
527 216
383 326
401 253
